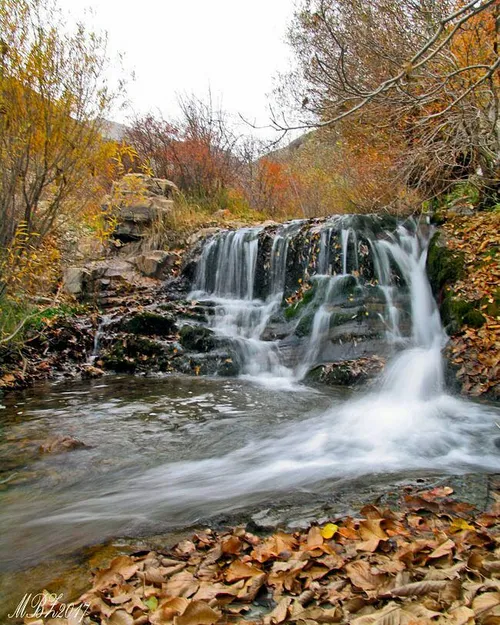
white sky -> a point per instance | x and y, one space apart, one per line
233 47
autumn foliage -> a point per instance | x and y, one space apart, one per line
432 560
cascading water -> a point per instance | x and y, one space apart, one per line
230 258
408 425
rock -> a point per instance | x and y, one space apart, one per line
137 353
201 235
197 338
74 280
347 372
58 444
90 372
150 324
99 280
156 264
138 202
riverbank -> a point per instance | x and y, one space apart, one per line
421 554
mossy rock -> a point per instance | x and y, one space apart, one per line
150 324
296 309
132 353
456 313
116 359
444 266
338 319
197 338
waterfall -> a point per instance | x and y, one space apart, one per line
104 322
405 425
231 258
324 251
227 264
346 234
279 254
226 275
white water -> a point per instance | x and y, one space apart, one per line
238 315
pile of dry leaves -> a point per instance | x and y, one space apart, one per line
476 352
431 562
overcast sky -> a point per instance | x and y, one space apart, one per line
233 47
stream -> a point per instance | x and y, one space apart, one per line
171 451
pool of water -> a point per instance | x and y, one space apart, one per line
131 427
167 452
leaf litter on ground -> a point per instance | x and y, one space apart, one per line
434 560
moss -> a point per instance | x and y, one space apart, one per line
197 338
128 355
444 267
304 327
456 313
295 310
491 305
474 319
150 324
117 360
338 319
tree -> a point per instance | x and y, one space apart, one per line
53 98
197 151
427 69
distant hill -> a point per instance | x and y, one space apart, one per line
114 131
285 153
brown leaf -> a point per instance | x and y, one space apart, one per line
240 570
280 612
168 609
485 602
252 587
120 617
197 613
231 545
181 585
458 616
121 569
443 549
360 574
314 537
416 589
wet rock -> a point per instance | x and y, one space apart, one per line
90 372
347 373
132 353
197 338
221 364
150 324
59 444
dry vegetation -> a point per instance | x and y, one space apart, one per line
433 561
476 350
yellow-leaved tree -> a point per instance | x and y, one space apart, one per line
53 100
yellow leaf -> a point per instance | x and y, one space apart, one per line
459 525
329 530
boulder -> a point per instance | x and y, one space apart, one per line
74 280
197 338
138 202
348 372
58 444
150 324
156 264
